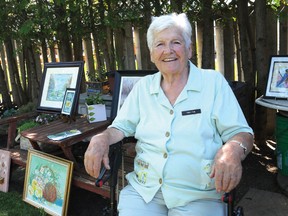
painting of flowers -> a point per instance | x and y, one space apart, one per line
47 182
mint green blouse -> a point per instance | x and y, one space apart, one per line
177 144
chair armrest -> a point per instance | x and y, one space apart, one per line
16 118
229 198
115 159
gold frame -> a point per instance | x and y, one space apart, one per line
47 182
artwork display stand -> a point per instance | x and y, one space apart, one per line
68 119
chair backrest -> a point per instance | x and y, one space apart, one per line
124 80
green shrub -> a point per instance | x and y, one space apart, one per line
9 113
29 107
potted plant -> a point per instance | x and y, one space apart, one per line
96 109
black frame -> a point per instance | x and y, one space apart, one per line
119 75
275 88
72 108
71 73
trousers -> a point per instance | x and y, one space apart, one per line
132 204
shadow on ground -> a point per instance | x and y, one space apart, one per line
259 170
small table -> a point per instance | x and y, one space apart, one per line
283 109
40 133
269 104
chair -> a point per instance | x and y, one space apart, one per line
229 199
116 151
115 158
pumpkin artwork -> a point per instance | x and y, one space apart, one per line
50 192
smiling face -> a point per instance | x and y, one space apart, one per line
169 52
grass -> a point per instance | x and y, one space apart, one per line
13 205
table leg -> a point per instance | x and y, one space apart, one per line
11 134
69 155
35 145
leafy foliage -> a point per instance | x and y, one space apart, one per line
9 113
94 99
27 125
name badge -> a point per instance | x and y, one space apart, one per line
191 112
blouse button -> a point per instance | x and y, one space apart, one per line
167 134
160 181
171 112
165 155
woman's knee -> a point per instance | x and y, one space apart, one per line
131 204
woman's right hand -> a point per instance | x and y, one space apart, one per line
96 154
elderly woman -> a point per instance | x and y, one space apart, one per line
191 132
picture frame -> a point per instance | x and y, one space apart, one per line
5 161
47 182
57 76
277 82
68 106
124 80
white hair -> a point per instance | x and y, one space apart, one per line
160 23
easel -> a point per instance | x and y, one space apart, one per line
68 119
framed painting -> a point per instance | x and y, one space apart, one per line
124 80
68 106
47 182
277 83
5 161
56 78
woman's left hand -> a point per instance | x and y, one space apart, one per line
227 168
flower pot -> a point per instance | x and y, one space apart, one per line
96 113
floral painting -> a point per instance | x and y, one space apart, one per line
47 182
